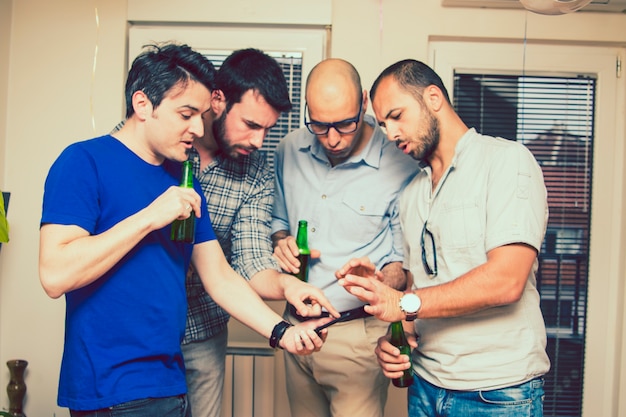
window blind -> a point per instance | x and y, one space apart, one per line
553 117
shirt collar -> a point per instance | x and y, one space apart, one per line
219 159
462 145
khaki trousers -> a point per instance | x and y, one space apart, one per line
343 379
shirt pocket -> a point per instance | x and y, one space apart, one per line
462 225
366 212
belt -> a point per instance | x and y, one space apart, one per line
355 313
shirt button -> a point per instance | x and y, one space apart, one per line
362 208
323 196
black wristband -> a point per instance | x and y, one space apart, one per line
278 333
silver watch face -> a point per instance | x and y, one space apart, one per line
410 303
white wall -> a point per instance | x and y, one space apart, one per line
54 97
5 38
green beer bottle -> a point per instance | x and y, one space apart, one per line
398 339
303 248
185 230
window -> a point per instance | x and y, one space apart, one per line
553 117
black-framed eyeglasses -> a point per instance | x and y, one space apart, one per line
343 126
431 271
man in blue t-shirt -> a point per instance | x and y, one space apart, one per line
105 243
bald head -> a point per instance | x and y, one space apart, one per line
336 104
335 68
333 88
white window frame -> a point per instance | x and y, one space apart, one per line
311 41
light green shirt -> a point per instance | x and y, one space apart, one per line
492 195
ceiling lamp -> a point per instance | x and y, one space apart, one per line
554 7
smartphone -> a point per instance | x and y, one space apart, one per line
356 313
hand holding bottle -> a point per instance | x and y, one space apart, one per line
304 253
399 340
391 359
175 203
184 230
286 252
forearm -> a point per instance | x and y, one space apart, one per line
394 275
70 258
462 296
500 281
457 298
247 306
269 284
279 235
230 290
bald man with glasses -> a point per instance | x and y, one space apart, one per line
341 175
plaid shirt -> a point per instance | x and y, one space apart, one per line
239 194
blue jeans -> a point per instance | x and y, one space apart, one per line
205 363
146 407
524 400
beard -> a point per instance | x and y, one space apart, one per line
428 138
219 134
224 145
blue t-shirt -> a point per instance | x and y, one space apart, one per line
123 331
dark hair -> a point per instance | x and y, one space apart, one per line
252 69
158 68
413 75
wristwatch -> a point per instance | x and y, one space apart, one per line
410 304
